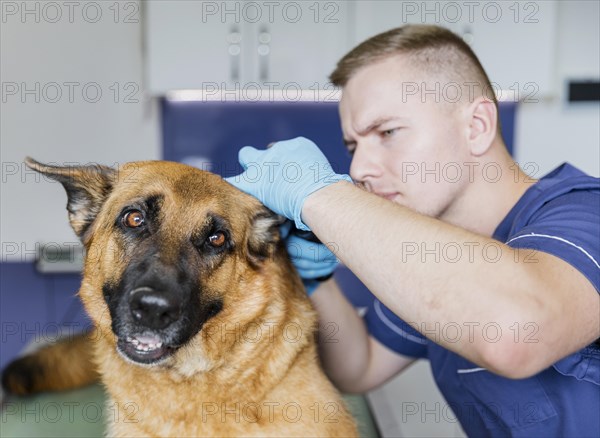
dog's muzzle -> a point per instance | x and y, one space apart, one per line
152 312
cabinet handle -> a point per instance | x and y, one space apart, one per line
264 50
235 49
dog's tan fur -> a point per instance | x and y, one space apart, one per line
253 369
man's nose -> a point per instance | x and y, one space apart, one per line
366 163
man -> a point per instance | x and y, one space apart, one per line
508 309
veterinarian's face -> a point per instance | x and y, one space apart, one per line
406 147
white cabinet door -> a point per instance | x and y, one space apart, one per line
194 44
242 45
514 40
300 47
376 16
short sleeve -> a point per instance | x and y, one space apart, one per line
393 332
567 227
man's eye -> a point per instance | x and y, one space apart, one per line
389 132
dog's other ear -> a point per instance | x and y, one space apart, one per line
87 188
264 236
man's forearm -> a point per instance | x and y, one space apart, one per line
343 339
397 254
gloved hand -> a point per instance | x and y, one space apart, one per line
283 176
314 261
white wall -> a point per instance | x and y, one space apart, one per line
552 131
72 49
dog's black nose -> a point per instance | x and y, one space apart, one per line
152 309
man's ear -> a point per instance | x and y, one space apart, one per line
87 188
483 125
264 236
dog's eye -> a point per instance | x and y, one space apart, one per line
133 219
217 239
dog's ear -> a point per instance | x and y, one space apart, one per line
87 188
264 236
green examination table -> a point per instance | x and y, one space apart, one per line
82 412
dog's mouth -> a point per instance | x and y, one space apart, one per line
144 349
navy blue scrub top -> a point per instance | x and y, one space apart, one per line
560 215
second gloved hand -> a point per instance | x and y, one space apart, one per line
313 261
283 176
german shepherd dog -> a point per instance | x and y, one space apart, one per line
201 324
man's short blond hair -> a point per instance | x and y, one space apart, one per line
435 52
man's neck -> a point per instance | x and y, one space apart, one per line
486 202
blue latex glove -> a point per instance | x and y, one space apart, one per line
283 176
312 260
